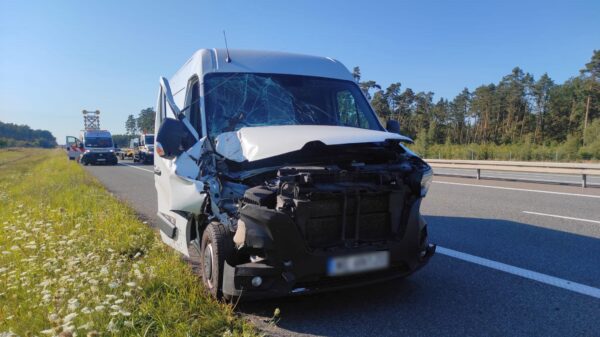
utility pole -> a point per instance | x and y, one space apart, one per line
91 120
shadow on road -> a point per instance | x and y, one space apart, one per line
453 297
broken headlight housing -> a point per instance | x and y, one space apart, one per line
426 181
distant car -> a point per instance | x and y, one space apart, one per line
143 151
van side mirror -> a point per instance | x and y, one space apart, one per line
393 126
173 138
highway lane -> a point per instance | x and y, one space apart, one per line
451 296
521 176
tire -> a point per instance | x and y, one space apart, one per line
216 246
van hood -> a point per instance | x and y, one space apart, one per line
256 143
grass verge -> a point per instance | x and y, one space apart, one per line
75 261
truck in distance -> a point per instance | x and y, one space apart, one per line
274 168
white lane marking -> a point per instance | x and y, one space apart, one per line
136 167
528 274
562 217
520 189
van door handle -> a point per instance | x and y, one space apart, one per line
157 172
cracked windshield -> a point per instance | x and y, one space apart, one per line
240 100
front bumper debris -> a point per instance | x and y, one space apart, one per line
292 267
99 158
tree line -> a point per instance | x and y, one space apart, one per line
13 135
134 126
517 110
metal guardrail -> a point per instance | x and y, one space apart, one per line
519 166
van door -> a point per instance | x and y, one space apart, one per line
73 150
179 195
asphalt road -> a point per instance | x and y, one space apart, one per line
514 258
571 179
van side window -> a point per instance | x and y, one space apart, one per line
348 113
194 115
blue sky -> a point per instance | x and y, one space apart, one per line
59 57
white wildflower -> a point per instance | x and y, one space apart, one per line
87 326
48 331
119 301
112 327
99 308
86 310
69 317
73 304
131 284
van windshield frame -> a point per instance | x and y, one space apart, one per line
236 100
98 142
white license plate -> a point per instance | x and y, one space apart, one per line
100 159
352 264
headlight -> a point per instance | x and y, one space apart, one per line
111 150
426 181
87 151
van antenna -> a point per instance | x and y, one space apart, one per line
228 59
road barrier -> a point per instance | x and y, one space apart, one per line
519 166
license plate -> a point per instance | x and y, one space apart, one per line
100 159
360 263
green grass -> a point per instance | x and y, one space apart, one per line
74 259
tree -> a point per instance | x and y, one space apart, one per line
541 93
356 74
23 136
131 125
365 86
459 110
592 70
380 105
145 121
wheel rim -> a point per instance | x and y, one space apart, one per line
208 256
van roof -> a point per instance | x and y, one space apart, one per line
206 61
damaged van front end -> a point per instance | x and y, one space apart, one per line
343 223
281 181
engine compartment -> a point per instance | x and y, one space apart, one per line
339 208
340 205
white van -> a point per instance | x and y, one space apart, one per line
274 168
93 147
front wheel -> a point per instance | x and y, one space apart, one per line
215 247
